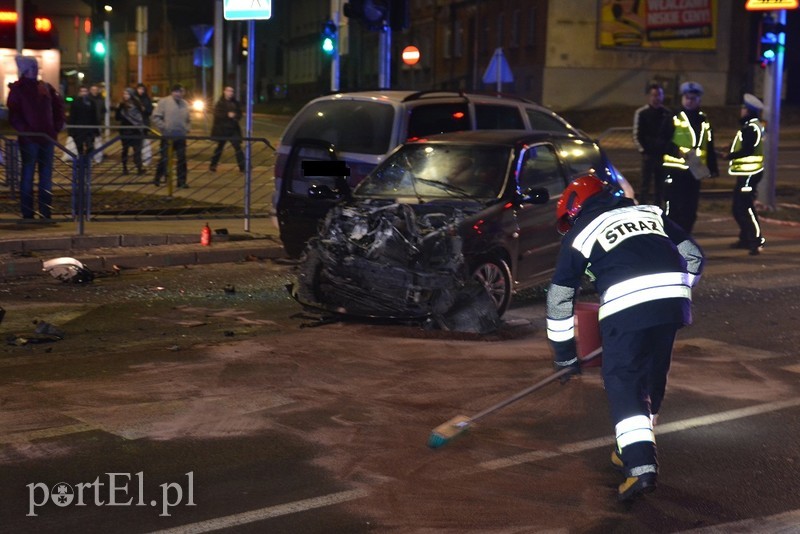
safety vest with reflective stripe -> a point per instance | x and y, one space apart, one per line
748 164
686 140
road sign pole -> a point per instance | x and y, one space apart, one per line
248 163
335 18
772 101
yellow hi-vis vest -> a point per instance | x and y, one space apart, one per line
686 140
748 164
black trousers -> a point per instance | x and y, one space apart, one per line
635 369
237 147
179 146
681 197
744 210
652 173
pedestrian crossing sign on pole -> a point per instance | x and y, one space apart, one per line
247 9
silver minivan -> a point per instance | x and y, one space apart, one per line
362 128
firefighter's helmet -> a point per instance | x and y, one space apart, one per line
574 196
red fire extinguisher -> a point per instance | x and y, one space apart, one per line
205 236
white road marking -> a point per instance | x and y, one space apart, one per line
785 523
788 519
266 513
666 428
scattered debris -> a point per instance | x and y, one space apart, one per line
230 289
229 333
68 270
44 333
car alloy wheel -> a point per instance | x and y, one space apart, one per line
495 276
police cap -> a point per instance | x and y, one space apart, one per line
752 102
691 87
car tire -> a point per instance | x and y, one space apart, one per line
495 277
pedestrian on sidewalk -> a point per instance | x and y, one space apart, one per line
689 157
130 114
647 126
643 266
35 107
746 164
226 127
82 112
146 101
173 120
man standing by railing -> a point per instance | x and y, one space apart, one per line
173 120
35 107
647 123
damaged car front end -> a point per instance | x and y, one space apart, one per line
384 259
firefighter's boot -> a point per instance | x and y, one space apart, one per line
635 486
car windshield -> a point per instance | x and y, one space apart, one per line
436 171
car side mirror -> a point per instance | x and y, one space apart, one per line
535 195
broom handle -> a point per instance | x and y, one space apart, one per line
527 391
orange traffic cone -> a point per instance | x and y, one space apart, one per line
205 236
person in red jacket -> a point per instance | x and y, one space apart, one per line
36 111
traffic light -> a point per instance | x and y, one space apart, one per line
329 37
372 13
243 48
772 38
398 15
99 45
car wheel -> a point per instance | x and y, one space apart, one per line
495 277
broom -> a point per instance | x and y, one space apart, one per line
446 432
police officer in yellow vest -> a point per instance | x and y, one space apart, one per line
688 158
746 164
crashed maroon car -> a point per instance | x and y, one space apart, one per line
446 228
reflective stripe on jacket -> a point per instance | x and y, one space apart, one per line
754 162
686 140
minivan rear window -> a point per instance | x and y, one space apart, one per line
350 126
493 117
432 119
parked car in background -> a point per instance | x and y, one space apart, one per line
446 228
364 127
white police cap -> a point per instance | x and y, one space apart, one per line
691 87
751 101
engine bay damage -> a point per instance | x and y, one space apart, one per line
390 260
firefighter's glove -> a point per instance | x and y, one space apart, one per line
573 366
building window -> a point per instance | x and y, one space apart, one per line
500 22
514 29
458 44
532 26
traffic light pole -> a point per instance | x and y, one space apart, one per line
385 57
335 66
107 74
772 103
248 147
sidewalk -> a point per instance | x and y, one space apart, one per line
108 246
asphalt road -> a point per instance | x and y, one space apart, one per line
202 398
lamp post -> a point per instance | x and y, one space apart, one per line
107 67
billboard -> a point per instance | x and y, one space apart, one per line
658 24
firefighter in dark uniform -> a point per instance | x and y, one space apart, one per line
689 134
643 266
647 122
746 164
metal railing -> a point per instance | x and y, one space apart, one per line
97 185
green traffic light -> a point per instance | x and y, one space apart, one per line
100 48
327 45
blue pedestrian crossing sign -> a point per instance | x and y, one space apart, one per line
247 9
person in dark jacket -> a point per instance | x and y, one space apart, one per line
131 114
35 107
746 164
647 123
83 112
643 266
146 101
227 114
688 156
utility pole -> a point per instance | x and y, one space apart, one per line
772 103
